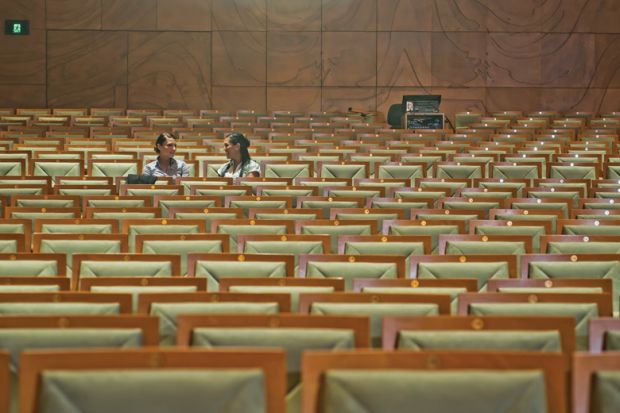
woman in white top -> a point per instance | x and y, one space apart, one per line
240 163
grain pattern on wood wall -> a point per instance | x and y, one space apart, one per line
313 54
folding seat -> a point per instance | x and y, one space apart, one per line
284 244
366 192
116 201
150 190
598 203
551 194
374 306
182 244
216 266
79 243
220 191
581 244
343 169
235 227
414 194
532 229
64 303
516 170
287 214
458 170
323 182
22 333
293 191
401 170
292 333
536 334
595 382
483 194
7 190
561 266
254 182
56 167
452 184
121 214
208 215
133 227
442 214
45 201
502 184
32 265
33 284
85 190
374 214
288 285
569 285
401 245
581 306
400 204
326 203
12 167
114 167
430 228
167 306
481 267
153 380
35 213
515 215
589 227
13 243
484 244
559 185
471 204
124 265
572 170
246 202
351 266
287 169
187 182
538 204
335 228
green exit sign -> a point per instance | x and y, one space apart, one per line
17 27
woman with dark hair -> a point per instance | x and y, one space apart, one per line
165 164
240 163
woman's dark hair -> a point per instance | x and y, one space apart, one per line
161 139
244 143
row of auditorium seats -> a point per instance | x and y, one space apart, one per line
474 269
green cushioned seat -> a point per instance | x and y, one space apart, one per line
554 290
289 216
17 340
591 229
70 247
482 271
115 203
135 291
335 230
207 217
342 171
376 312
532 231
561 206
113 169
485 195
451 217
294 291
154 391
326 205
530 217
515 171
181 247
120 216
583 247
477 206
480 340
582 313
396 391
168 312
134 230
413 195
234 230
405 249
166 204
351 270
85 191
23 288
433 230
293 340
575 171
45 203
49 168
215 270
410 172
41 215
459 171
12 228
29 268
284 247
59 308
453 292
8 246
481 247
518 186
273 170
405 206
580 269
89 269
605 393
11 168
452 186
51 228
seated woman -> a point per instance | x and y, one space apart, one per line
240 164
165 164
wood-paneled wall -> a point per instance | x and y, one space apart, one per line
313 54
